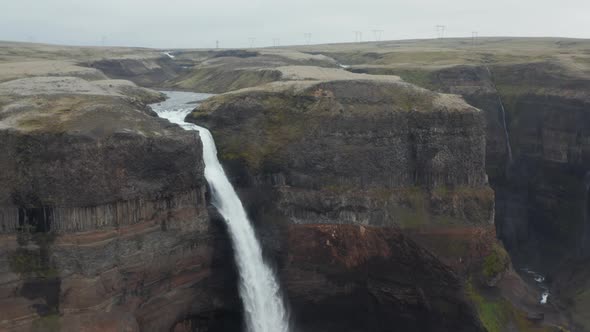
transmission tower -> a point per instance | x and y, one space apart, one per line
307 37
217 44
474 35
276 42
358 36
377 34
252 40
440 31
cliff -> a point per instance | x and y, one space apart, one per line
541 186
346 150
366 278
103 215
357 151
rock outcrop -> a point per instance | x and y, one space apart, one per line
360 152
103 216
365 278
542 191
354 150
541 188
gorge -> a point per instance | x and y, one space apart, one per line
259 289
405 191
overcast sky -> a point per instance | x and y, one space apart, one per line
199 23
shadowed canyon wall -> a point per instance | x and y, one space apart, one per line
323 164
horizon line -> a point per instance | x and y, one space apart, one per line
288 45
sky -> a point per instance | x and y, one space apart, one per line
259 23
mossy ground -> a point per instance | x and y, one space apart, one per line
49 323
498 315
219 80
31 263
581 313
496 262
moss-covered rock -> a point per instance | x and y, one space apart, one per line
495 264
498 315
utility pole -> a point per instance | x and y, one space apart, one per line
217 44
358 36
103 41
276 42
307 37
377 34
440 31
474 36
251 40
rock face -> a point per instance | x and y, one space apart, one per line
392 281
376 153
103 216
542 192
357 152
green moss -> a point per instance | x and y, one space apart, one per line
416 207
49 323
482 193
276 123
219 80
446 246
423 57
497 314
492 313
31 263
413 210
421 78
580 312
496 262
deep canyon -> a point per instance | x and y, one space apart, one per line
415 188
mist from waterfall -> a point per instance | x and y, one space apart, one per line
259 290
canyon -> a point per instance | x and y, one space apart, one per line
406 191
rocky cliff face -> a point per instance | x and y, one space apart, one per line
103 216
364 278
358 152
541 192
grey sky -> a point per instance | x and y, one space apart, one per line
199 23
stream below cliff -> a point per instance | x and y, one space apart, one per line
260 292
539 281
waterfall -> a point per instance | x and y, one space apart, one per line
503 111
259 290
